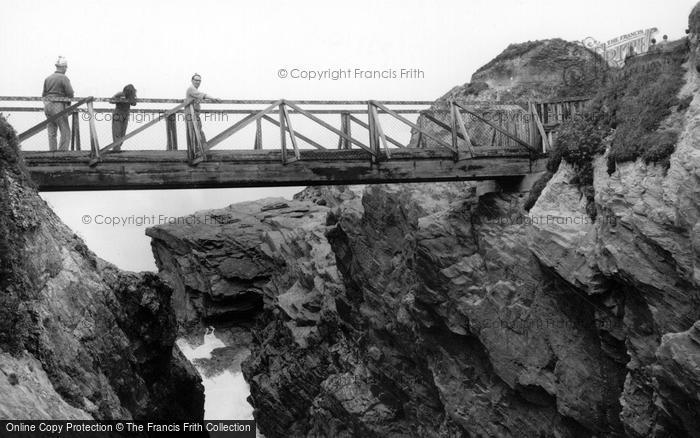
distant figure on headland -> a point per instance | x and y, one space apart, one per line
120 117
58 85
193 94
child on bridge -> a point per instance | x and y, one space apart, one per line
120 117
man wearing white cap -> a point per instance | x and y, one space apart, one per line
58 85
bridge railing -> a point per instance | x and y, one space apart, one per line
550 114
75 132
375 127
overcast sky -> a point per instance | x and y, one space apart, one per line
239 48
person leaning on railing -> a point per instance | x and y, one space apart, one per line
120 117
58 85
196 97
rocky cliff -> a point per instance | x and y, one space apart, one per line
78 337
416 310
430 311
535 70
641 259
531 71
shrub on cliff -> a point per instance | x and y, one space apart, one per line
474 88
10 160
578 141
639 99
634 102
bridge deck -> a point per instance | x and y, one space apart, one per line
129 170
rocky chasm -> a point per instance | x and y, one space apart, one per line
435 310
425 310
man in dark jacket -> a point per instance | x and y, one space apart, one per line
58 85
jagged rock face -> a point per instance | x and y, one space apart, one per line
225 264
639 262
28 393
677 376
78 337
534 70
445 325
414 308
539 70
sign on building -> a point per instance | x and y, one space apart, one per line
615 51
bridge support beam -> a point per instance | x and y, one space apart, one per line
129 170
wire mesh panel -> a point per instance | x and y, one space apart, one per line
397 132
496 126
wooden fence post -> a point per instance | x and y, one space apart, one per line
257 145
290 128
373 138
453 130
94 143
380 133
421 141
171 132
283 133
75 132
535 138
346 129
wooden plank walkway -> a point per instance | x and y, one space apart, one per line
136 170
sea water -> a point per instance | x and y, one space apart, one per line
225 393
